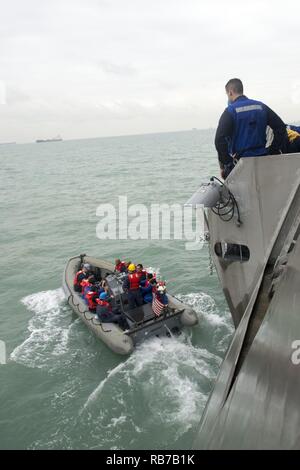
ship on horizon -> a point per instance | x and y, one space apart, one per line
54 139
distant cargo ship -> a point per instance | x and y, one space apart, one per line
55 139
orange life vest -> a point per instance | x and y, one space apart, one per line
134 281
76 283
91 299
84 283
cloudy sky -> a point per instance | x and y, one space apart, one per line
92 68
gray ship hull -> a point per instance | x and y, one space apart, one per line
254 404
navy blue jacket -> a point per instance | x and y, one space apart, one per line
147 293
242 130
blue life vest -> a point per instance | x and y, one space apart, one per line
250 123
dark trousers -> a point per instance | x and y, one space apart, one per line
228 169
135 298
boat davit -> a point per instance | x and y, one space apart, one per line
142 321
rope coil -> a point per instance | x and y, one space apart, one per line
226 208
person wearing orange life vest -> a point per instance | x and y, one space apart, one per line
107 314
83 273
91 298
86 283
120 266
132 285
92 291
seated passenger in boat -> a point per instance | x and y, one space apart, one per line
106 314
83 273
86 284
131 284
120 266
147 288
93 291
91 297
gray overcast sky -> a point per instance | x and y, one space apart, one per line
89 68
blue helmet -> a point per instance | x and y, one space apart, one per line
103 296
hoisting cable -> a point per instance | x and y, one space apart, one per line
226 208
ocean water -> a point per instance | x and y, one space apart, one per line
61 388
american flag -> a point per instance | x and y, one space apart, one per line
157 305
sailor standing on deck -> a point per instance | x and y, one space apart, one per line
242 129
132 285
